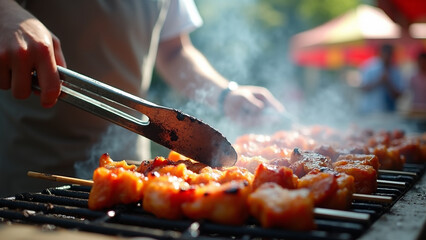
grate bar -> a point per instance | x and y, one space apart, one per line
50 208
104 228
38 197
66 193
327 225
400 178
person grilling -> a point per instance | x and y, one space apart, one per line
116 42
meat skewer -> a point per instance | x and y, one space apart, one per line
318 212
83 182
357 196
380 171
287 189
179 187
393 148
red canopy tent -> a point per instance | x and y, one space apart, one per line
409 14
350 40
404 12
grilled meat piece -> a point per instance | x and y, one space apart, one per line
342 198
328 151
164 196
389 158
274 206
236 174
115 186
250 163
223 175
180 170
303 162
365 177
322 185
106 162
148 166
190 164
328 188
410 149
221 203
282 176
361 159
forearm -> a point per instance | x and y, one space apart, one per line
188 71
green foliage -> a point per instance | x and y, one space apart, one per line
267 14
320 11
270 14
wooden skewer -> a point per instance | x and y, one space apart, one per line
58 178
319 212
382 171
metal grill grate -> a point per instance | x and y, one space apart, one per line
66 207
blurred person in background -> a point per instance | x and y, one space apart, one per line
116 42
418 84
381 83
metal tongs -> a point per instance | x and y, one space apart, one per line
168 127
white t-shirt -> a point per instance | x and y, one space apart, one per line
112 41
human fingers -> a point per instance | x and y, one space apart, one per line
245 101
274 112
21 72
242 107
268 99
59 56
47 73
28 46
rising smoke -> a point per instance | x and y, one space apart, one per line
119 143
242 52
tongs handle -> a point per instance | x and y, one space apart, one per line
76 89
168 127
101 89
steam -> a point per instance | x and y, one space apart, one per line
119 143
241 52
239 49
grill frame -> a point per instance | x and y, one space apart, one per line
66 207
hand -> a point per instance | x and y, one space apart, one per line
252 105
26 45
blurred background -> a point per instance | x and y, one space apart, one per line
309 54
